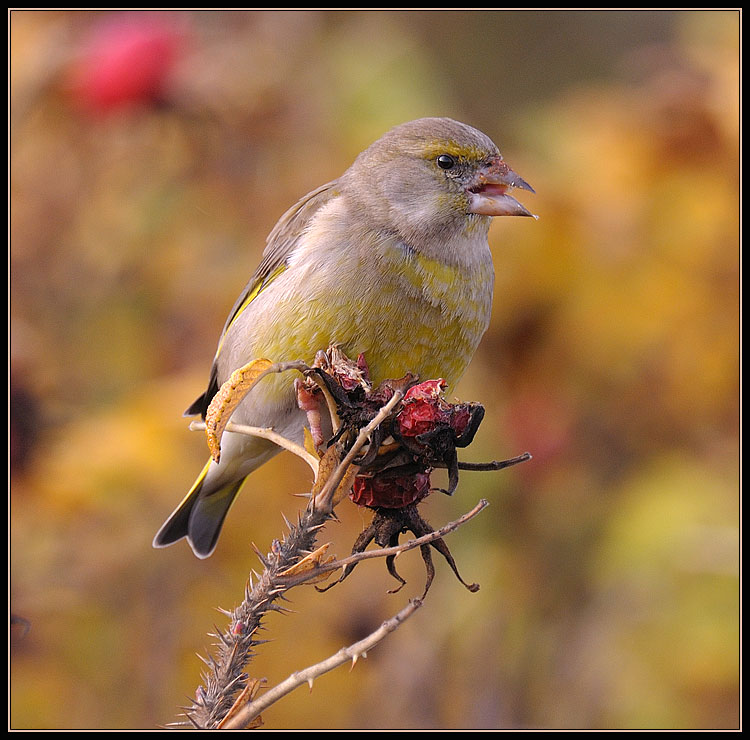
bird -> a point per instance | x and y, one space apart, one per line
391 260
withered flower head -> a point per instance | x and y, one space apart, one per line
422 432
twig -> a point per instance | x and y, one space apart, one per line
265 433
234 647
325 497
333 411
385 551
495 464
359 649
224 698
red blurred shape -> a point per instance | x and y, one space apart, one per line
127 61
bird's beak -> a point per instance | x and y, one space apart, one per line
488 194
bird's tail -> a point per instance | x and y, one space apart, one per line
200 515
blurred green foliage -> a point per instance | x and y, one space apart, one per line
609 565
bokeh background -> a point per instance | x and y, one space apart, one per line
150 154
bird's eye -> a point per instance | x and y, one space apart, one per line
445 161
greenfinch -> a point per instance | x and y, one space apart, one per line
390 260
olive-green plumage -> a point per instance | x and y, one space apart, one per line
390 260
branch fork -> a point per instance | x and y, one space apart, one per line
366 438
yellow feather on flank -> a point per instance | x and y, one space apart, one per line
406 310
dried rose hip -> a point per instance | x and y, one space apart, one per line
423 409
459 418
419 417
390 490
427 390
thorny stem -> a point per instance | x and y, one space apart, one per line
235 646
352 653
224 677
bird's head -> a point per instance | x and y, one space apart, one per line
433 176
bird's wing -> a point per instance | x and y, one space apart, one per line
280 244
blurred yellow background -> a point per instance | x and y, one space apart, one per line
140 198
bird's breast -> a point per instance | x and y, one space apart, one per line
405 311
429 315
